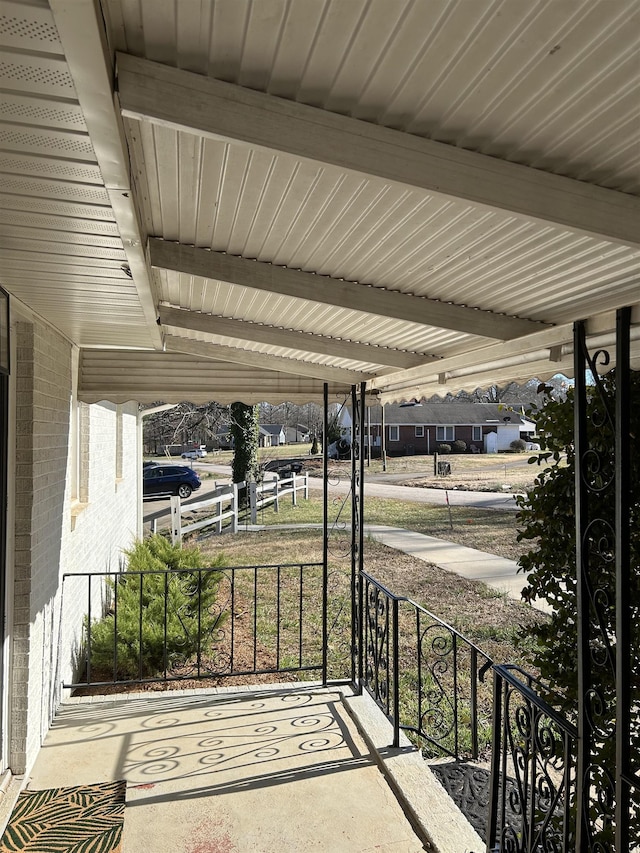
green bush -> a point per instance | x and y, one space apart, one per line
518 445
157 572
547 521
459 446
444 448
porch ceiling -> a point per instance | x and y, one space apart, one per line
422 196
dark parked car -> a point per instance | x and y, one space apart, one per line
283 467
169 480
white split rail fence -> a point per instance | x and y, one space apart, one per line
272 491
225 504
225 501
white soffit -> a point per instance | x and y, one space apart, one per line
61 246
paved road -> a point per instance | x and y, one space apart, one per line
376 486
483 500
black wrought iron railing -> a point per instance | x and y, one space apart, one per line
532 803
154 626
423 674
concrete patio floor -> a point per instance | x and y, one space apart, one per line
273 769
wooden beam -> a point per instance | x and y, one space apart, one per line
539 346
216 352
258 275
274 336
150 91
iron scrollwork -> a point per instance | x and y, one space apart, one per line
536 796
376 669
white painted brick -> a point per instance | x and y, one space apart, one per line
45 545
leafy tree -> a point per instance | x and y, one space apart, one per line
547 520
244 431
135 630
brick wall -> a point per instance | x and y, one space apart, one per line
53 534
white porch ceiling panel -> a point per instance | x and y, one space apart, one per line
481 160
243 174
552 85
122 376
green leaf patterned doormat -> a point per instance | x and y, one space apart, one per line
83 819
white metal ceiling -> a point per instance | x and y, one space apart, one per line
552 85
549 83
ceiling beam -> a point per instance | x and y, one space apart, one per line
544 345
275 336
258 275
81 32
216 352
540 368
211 108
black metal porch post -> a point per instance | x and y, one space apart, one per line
356 655
624 603
604 613
582 601
325 526
357 528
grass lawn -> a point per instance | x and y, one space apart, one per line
487 530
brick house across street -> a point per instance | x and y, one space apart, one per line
421 428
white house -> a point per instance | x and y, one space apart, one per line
276 432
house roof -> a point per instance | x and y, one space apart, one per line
272 429
246 200
448 414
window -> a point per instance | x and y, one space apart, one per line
394 433
476 433
419 432
445 433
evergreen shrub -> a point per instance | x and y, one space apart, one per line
157 570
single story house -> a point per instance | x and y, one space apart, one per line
297 434
276 434
422 427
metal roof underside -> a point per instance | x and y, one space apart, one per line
242 199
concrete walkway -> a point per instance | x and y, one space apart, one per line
497 572
281 768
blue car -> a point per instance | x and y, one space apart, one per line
161 480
